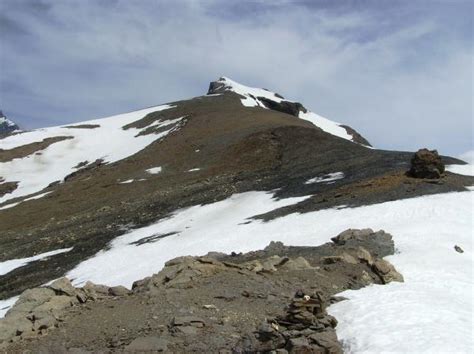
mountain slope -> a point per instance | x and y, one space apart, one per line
130 192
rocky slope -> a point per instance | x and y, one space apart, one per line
78 187
71 194
273 299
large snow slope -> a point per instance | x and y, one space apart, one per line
250 99
108 141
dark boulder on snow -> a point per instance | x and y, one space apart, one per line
426 164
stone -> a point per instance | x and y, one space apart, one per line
299 263
31 299
458 249
119 291
364 256
386 271
147 344
352 234
426 164
327 340
63 286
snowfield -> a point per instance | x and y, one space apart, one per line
35 172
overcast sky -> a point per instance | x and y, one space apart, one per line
399 72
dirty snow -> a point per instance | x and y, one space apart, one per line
430 312
8 266
154 170
330 177
108 142
6 304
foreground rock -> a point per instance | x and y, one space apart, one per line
426 164
272 299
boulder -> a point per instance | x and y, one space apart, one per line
426 164
386 271
63 286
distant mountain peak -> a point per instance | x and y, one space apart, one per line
6 125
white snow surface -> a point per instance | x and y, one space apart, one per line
430 312
461 169
8 266
5 305
108 142
154 170
195 169
250 100
330 177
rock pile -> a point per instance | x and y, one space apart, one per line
40 309
306 327
426 164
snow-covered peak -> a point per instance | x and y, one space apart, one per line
251 94
6 125
258 97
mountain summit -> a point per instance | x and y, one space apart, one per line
7 126
256 97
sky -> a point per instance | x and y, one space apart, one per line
399 72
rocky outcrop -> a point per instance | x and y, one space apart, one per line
210 303
426 164
40 309
356 137
306 327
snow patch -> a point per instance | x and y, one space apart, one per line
5 305
326 125
467 170
8 266
109 142
194 169
330 177
154 170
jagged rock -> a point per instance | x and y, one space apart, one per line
379 243
386 271
63 286
426 164
352 234
292 108
458 249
